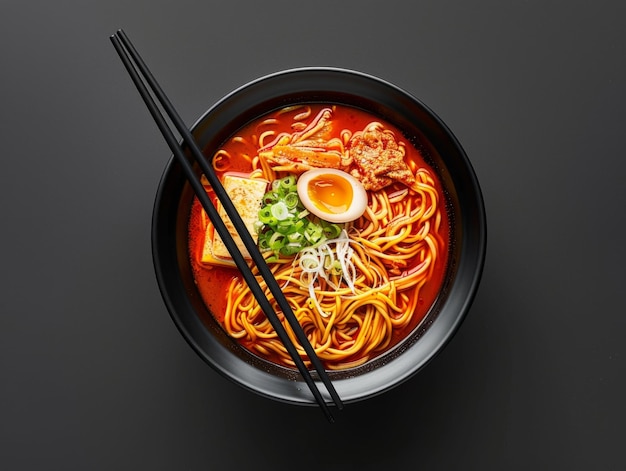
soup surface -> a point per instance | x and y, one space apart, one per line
351 220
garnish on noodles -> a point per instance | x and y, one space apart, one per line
284 225
359 284
331 261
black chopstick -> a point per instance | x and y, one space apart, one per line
125 48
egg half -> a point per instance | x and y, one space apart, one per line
332 195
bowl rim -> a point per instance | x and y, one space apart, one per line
393 371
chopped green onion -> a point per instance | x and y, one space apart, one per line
270 197
291 200
287 183
285 227
313 233
291 249
332 230
280 211
266 216
295 237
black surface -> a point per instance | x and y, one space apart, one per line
94 375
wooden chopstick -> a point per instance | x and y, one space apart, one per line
125 49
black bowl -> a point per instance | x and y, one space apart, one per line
464 203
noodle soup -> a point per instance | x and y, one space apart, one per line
360 279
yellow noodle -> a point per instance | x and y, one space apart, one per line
397 229
263 138
221 160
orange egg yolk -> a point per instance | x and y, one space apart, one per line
330 193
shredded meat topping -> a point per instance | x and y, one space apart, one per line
378 159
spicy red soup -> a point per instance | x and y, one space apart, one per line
358 282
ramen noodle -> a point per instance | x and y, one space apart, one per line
358 287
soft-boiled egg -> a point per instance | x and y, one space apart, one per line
332 195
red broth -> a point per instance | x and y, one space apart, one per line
212 280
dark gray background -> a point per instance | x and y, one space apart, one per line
94 374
